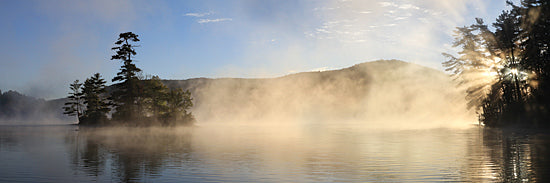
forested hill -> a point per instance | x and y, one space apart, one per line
385 89
16 108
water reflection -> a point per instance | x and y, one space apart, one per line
271 154
520 156
130 154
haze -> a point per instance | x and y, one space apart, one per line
45 45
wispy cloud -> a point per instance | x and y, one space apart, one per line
408 6
198 14
390 29
205 17
386 4
206 20
365 12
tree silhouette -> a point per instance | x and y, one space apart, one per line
179 102
128 89
155 100
474 63
96 106
74 106
536 58
518 67
169 106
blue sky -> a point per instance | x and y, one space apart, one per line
45 45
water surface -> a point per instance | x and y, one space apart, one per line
276 153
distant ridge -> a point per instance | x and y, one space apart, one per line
18 109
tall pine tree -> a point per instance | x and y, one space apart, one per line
74 106
128 90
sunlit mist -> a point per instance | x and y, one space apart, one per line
379 94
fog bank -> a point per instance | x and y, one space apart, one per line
380 94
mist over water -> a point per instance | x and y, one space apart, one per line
244 153
381 94
376 121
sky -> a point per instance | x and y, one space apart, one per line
46 45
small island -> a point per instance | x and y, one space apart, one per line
136 100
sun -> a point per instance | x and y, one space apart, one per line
514 71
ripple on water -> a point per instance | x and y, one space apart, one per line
289 154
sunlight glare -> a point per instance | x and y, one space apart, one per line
514 71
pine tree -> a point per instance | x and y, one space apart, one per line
74 106
94 98
128 89
155 97
179 102
536 23
475 61
519 50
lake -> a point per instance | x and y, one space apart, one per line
271 153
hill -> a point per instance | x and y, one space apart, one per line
381 91
16 108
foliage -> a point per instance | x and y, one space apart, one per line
164 105
74 106
179 102
129 89
475 62
155 97
96 105
505 71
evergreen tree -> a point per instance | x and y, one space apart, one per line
128 90
74 106
94 98
156 93
475 62
536 58
179 102
143 100
518 49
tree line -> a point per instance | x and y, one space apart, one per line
134 99
506 70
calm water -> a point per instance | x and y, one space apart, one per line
306 153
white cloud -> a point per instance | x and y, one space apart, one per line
198 14
400 18
206 20
387 4
325 8
408 6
